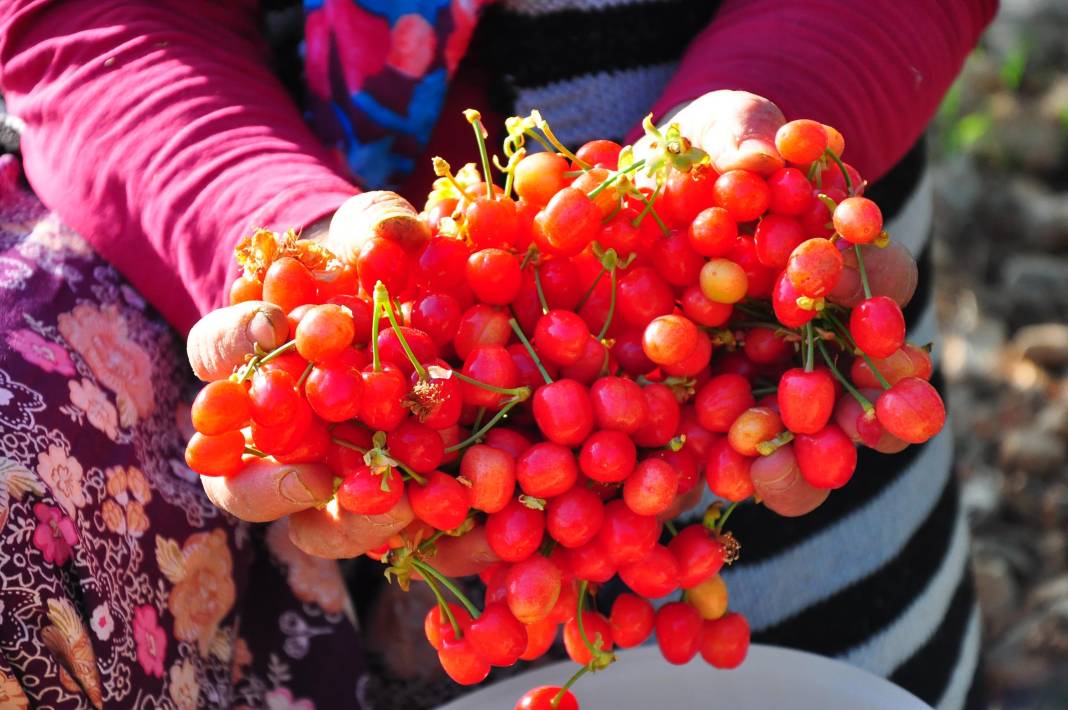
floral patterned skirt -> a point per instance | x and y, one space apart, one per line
121 586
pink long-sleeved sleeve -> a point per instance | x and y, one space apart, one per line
157 131
874 69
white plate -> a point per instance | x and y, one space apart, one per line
771 678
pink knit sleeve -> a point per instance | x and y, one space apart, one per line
876 69
156 130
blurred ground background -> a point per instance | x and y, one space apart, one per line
1001 179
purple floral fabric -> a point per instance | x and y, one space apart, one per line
121 586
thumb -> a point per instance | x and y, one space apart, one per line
737 130
376 214
222 339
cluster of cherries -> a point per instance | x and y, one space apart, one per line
564 366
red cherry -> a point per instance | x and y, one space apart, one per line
655 575
598 631
560 337
704 311
381 407
491 222
437 627
743 194
766 346
669 339
725 641
462 663
494 276
382 260
539 176
651 488
775 239
662 419
678 632
289 284
784 301
515 532
878 326
569 222
608 456
366 493
497 636
814 267
675 259
642 294
713 232
492 365
626 536
721 400
491 473
791 192
416 445
727 472
827 458
391 350
546 470
574 517
699 555
542 697
481 325
441 503
532 586
437 315
540 637
589 562
806 399
911 410
441 263
632 620
563 412
686 194
858 220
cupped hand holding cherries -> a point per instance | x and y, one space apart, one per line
529 381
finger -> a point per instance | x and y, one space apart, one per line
464 555
222 339
335 533
265 490
736 129
378 213
891 272
780 486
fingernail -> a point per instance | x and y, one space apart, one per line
293 488
261 331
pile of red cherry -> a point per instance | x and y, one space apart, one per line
565 366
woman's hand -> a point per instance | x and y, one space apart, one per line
265 490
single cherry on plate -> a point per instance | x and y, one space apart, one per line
542 697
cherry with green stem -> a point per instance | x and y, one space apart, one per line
613 177
443 605
844 332
428 571
601 658
530 350
863 271
378 458
841 166
475 119
861 399
810 350
649 209
559 697
259 360
501 414
543 126
541 293
381 300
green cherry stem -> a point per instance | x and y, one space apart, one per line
613 177
304 375
671 528
257 361
810 353
611 304
863 271
530 349
541 293
723 518
444 606
345 443
427 570
254 451
381 299
478 418
601 658
376 324
649 209
543 126
590 290
861 399
867 358
475 119
511 391
558 698
501 414
845 173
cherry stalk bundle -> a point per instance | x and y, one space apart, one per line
564 363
